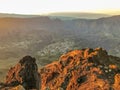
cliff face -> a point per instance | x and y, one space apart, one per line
86 69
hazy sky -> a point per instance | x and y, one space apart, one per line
48 6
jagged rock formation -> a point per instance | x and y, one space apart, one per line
24 73
86 69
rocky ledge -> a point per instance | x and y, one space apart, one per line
86 69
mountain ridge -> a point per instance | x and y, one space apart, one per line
39 37
60 15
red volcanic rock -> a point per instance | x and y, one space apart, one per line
24 73
117 82
87 69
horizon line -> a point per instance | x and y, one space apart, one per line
110 13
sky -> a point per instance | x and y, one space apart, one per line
50 6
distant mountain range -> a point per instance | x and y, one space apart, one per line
47 38
77 15
16 15
60 15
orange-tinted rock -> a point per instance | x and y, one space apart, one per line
117 82
113 66
24 73
87 69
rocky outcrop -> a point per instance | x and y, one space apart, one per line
86 69
24 73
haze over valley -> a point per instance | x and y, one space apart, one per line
46 37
